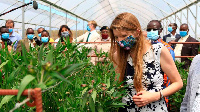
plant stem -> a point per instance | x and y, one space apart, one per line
42 75
47 80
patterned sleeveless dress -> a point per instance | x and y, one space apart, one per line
152 81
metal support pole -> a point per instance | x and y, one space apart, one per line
196 22
83 27
181 17
163 27
50 21
175 17
23 25
66 18
166 26
76 27
187 16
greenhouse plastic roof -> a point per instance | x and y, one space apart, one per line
102 11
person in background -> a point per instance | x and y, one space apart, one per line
13 36
154 29
191 100
104 31
141 65
91 35
28 41
64 33
39 31
104 47
172 34
185 49
5 37
45 37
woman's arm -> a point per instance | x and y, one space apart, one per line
169 68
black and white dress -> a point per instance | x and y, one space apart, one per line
152 81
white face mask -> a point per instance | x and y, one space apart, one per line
65 34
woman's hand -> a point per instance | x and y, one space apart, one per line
143 98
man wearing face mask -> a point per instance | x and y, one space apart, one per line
5 37
91 35
13 36
185 49
154 28
28 41
172 35
105 47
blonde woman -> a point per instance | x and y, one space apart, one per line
141 65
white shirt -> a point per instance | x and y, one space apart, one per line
55 44
173 36
178 47
30 43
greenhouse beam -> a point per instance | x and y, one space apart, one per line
181 9
54 5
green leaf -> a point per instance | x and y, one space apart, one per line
6 99
24 53
51 82
108 83
25 81
70 68
118 104
56 75
49 57
91 104
84 100
94 94
41 85
4 63
83 92
12 75
40 53
99 108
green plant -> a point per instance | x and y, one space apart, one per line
60 72
176 99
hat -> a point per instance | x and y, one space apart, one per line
104 28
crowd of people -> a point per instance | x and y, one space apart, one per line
144 60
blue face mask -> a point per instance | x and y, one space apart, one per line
30 36
44 39
39 34
5 36
153 35
88 28
170 29
127 43
183 33
10 30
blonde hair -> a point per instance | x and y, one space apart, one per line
128 22
94 23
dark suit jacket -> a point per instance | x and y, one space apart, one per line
169 35
188 50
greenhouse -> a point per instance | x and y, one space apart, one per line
99 55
